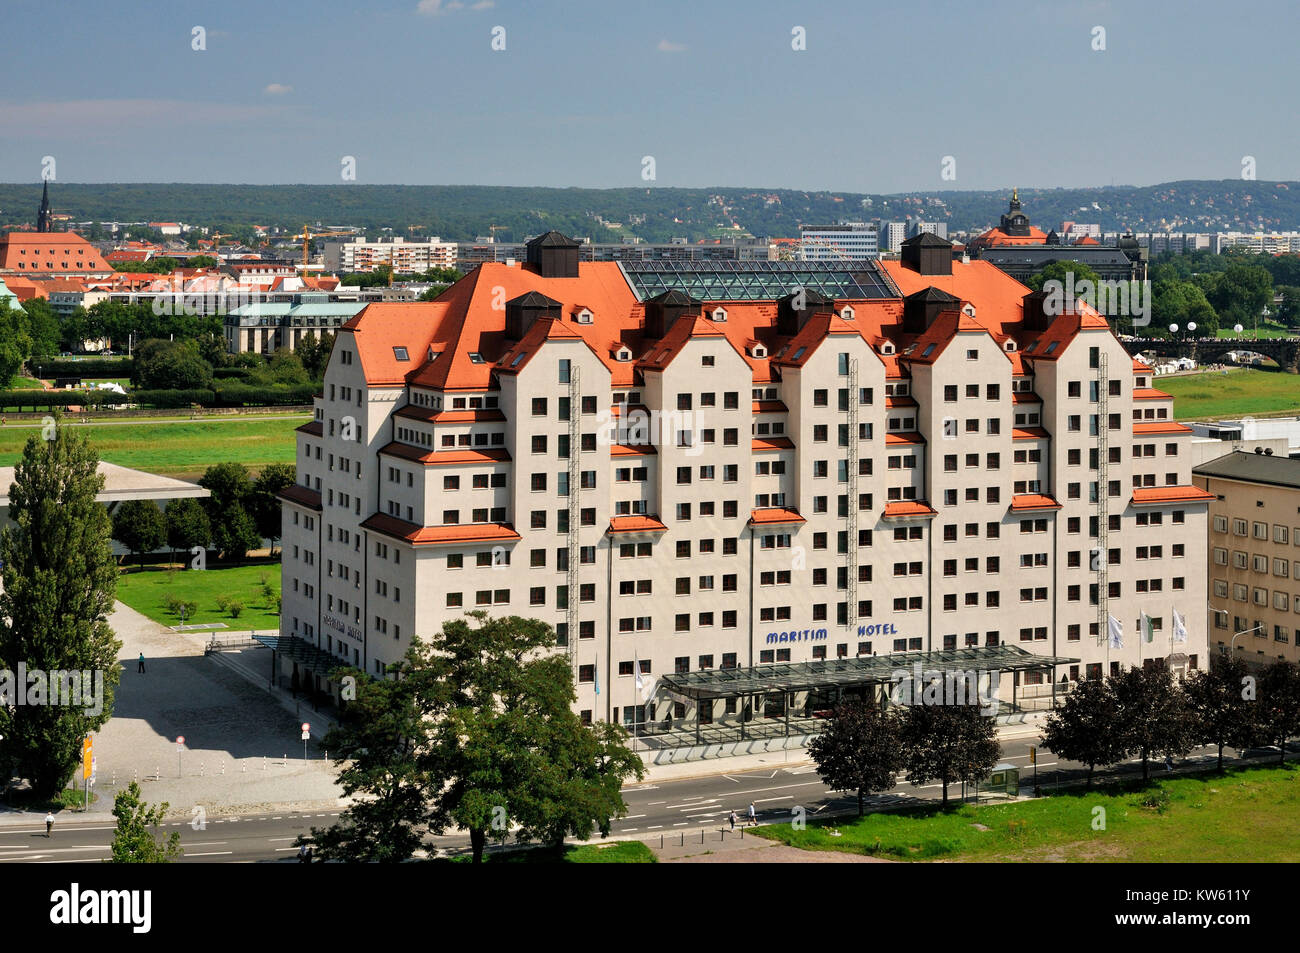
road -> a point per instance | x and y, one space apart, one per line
654 810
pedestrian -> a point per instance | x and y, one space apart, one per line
733 820
49 824
140 668
1169 762
753 818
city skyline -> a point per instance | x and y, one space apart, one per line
416 94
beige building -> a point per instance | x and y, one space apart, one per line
1253 554
937 472
359 255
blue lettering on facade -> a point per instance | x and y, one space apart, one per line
880 628
799 635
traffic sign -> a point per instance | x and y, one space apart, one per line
180 741
306 726
1033 755
306 735
87 757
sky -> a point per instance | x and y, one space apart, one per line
1013 92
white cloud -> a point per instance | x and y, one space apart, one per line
431 8
277 89
667 46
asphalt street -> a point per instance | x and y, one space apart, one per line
655 810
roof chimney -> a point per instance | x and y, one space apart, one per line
555 255
928 254
663 310
521 312
1036 317
794 310
920 309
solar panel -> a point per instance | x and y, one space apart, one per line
757 280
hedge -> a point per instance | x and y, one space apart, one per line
230 394
232 373
91 367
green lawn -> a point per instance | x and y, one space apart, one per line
183 449
146 591
614 852
1235 394
1243 815
1266 329
24 383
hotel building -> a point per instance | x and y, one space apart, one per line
936 470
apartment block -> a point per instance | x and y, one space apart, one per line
1253 554
935 469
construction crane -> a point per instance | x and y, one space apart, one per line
307 235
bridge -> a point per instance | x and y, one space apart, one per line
1286 351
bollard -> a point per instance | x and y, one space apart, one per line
263 762
661 841
201 769
135 776
157 773
701 835
223 769
243 767
682 842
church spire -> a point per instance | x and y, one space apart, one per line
44 218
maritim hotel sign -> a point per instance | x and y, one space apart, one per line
819 635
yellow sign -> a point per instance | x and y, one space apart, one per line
87 756
1033 756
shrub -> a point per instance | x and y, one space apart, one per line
223 602
234 607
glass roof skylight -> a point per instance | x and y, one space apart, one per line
757 280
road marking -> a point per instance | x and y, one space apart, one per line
652 803
654 827
211 853
627 828
682 824
281 838
712 800
632 817
281 850
730 778
783 797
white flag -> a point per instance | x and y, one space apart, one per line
636 670
1146 631
1116 631
1180 627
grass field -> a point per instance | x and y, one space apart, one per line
1243 815
24 383
182 448
1266 329
1235 394
146 590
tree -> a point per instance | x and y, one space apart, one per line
235 534
1153 714
139 526
1224 711
431 292
859 751
1086 726
948 743
376 745
1288 312
1278 715
134 841
315 353
15 342
165 365
59 580
264 502
43 325
187 524
507 747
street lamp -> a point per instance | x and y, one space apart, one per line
1233 644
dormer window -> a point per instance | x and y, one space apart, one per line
399 354
1010 345
583 317
887 348
968 309
757 350
431 354
847 312
719 315
623 354
476 358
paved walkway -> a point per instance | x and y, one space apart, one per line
243 750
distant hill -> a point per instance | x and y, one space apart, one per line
654 214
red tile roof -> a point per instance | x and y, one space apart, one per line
631 450
430 415
1025 397
775 514
1151 496
1160 426
418 535
1033 501
1150 393
902 437
771 443
901 508
313 427
770 407
301 495
635 524
437 458
1028 433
